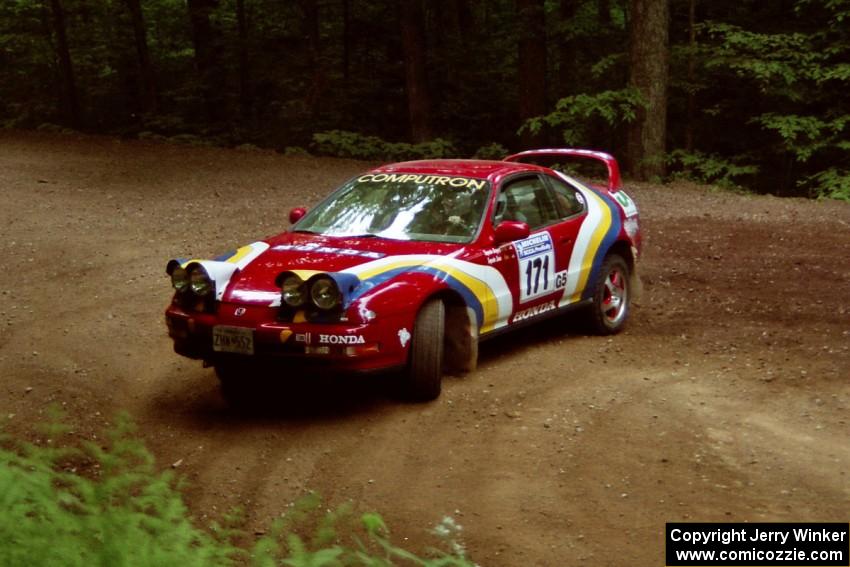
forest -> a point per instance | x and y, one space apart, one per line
748 93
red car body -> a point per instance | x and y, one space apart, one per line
502 279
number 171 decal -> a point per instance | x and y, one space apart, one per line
537 276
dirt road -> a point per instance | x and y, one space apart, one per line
725 400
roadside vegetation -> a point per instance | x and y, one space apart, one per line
748 94
107 504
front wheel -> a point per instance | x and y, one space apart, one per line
611 297
235 382
425 369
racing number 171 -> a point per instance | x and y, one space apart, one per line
536 266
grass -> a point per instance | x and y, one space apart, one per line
88 504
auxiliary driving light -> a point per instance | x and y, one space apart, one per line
325 293
200 281
180 279
293 292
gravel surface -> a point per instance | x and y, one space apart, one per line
726 399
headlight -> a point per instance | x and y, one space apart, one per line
325 293
179 280
293 292
200 281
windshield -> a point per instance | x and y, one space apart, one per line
402 206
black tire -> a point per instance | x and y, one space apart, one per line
612 295
425 367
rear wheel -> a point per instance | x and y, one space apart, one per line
611 297
425 369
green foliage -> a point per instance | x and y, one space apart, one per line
344 144
118 511
491 151
775 61
105 504
804 136
573 115
295 151
309 536
761 83
709 169
796 69
832 183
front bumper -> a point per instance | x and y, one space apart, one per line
377 345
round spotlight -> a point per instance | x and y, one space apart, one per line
293 292
325 293
180 279
200 281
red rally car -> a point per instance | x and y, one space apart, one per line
409 266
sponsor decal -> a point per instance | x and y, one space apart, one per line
533 245
533 311
302 338
341 339
493 255
284 335
239 311
403 337
423 179
626 203
312 247
536 257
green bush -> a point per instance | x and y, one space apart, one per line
309 536
708 169
830 183
491 151
340 143
572 115
107 505
119 511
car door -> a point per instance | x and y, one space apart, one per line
572 213
534 267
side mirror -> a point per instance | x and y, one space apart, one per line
296 214
508 231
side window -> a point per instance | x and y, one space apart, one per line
570 201
526 200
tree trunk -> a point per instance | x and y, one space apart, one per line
147 80
532 65
245 94
604 13
566 49
207 58
648 74
346 39
69 106
311 31
692 103
418 99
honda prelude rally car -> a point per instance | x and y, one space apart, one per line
409 266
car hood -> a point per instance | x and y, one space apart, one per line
306 254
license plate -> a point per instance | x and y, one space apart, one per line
239 340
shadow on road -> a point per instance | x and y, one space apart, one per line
199 399
256 394
514 342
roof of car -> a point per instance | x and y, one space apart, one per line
479 169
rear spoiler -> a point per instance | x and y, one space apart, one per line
614 183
